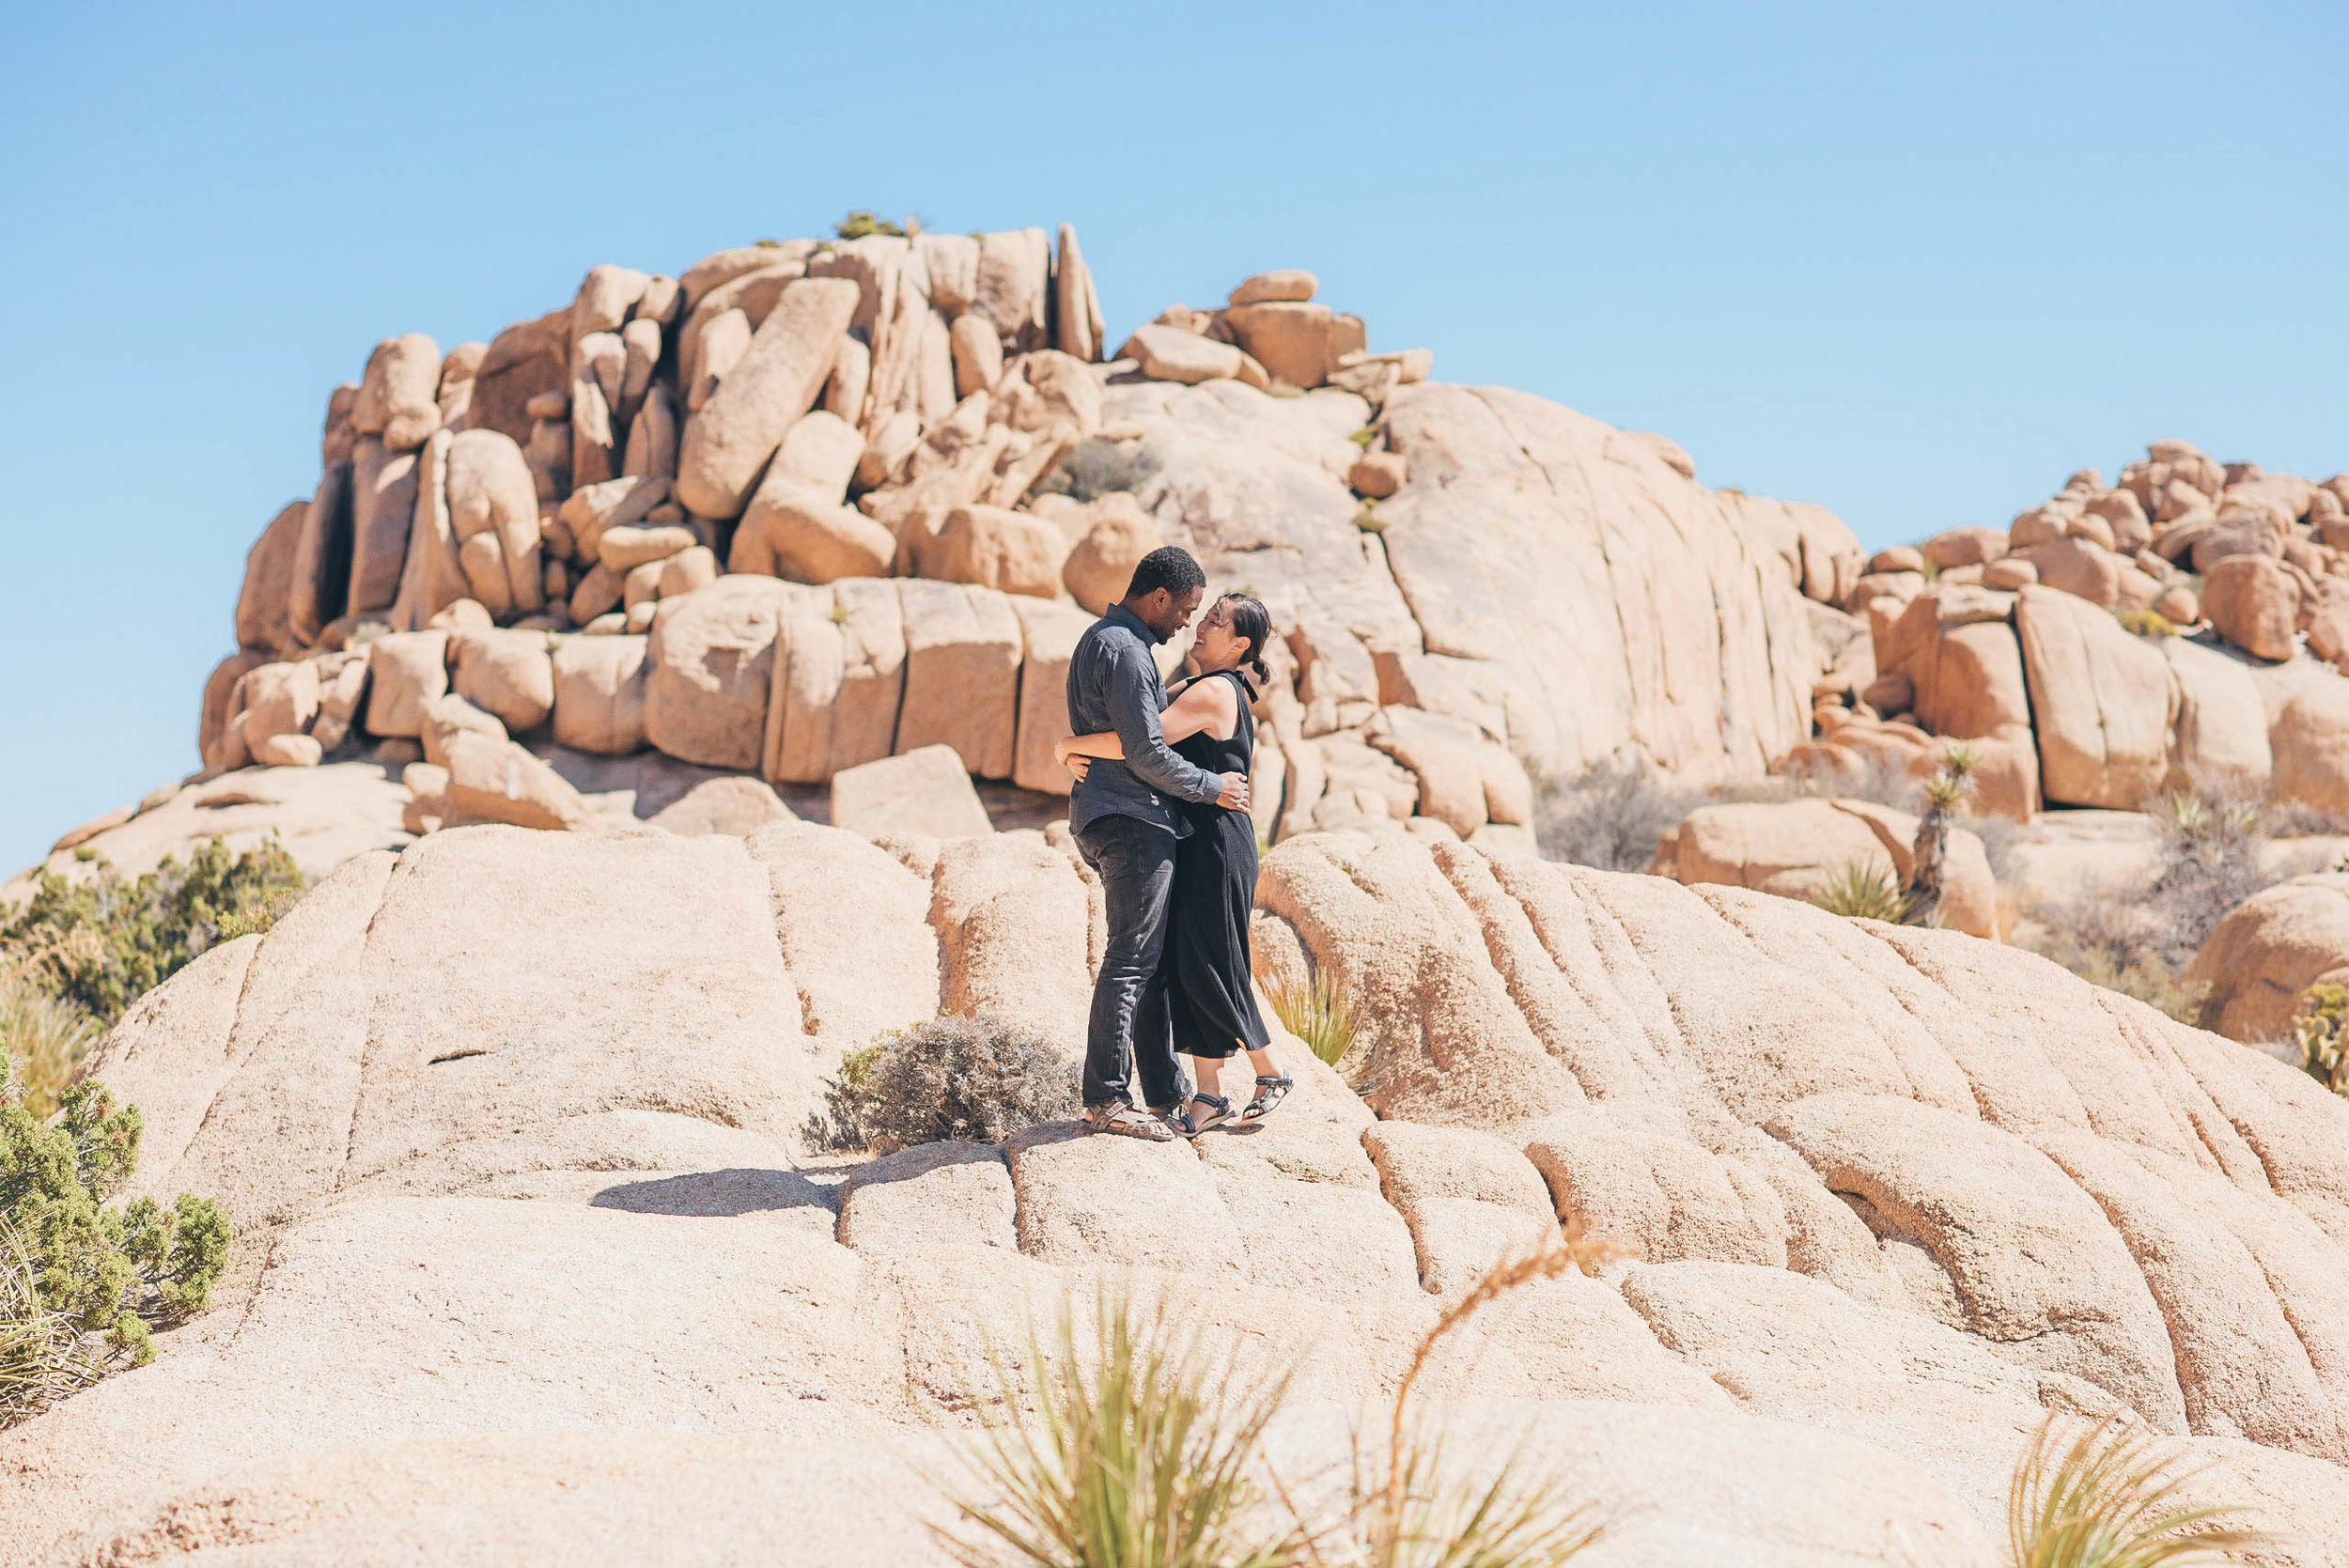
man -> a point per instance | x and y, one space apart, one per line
1126 825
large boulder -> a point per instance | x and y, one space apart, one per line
1013 552
261 602
493 497
505 673
599 694
408 673
840 675
2254 603
922 791
2102 699
728 440
2266 953
1296 341
1049 633
963 652
399 398
714 656
2308 738
1957 648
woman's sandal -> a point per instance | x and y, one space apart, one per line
1124 1121
1219 1113
1270 1092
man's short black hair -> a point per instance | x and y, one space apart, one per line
1169 566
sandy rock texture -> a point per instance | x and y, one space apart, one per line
532 1258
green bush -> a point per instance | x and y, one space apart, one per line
103 940
80 1283
2111 1498
977 1077
859 223
1094 468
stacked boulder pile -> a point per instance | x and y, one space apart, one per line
812 506
2113 643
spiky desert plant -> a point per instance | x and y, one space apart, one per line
1863 890
1317 1012
46 1035
1132 1444
2109 1498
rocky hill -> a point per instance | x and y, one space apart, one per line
811 504
531 1257
661 698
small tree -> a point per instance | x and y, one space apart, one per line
1929 852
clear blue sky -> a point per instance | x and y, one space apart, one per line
1915 263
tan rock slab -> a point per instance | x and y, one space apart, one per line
922 791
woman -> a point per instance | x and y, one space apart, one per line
1209 1003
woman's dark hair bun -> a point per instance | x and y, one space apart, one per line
1252 621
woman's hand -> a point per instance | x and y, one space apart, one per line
1078 765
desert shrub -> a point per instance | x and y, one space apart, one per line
2140 942
953 1077
2145 623
1614 816
1363 437
860 224
2321 1030
1317 1012
1094 468
103 940
81 1283
1864 890
2110 1500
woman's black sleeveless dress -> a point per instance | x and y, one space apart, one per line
1207 996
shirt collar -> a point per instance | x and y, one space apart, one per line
1133 622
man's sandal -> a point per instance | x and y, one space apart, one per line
1270 1092
1218 1112
1126 1122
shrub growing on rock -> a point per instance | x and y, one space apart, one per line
1864 890
2111 1498
1094 468
974 1077
1614 816
80 1283
104 940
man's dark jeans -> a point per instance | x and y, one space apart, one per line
1129 1029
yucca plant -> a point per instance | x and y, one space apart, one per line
2108 1499
1132 1444
1317 1012
1863 890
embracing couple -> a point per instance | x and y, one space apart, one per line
1160 812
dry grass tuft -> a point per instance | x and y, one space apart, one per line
2110 1500
1319 1013
1417 1510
